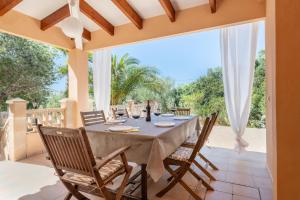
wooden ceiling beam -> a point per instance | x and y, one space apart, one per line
169 9
7 5
134 17
213 5
90 12
55 17
87 35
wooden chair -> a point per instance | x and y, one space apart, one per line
115 111
191 143
183 111
71 155
93 117
184 158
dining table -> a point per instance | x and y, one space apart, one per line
149 143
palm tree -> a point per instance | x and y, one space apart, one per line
128 75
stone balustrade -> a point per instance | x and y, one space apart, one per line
47 117
20 138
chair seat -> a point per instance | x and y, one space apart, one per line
191 141
181 154
105 172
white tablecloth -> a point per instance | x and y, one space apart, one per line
151 145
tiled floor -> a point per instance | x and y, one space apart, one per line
241 177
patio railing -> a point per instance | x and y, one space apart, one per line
19 137
47 117
4 141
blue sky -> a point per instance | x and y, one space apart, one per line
182 58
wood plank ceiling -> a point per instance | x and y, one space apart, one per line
64 12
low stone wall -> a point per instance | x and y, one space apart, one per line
20 138
34 144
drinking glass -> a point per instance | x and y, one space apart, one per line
136 114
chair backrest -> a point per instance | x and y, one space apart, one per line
69 149
183 111
209 122
115 111
214 119
93 117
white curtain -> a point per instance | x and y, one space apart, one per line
102 79
238 53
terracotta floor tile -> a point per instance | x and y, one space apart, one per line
238 197
190 179
261 182
220 175
240 179
246 191
260 172
178 190
216 195
33 179
266 194
222 186
200 191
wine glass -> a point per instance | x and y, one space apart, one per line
157 112
120 113
135 114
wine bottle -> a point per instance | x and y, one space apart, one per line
148 109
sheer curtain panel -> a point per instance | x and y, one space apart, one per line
102 79
238 53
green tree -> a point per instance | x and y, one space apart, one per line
258 105
53 100
27 70
163 93
205 95
128 75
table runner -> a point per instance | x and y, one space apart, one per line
151 145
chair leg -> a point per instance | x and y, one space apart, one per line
106 194
171 184
73 192
69 196
204 171
124 183
178 179
199 178
176 171
208 161
190 190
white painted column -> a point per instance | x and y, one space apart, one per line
78 82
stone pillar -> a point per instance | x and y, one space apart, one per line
17 145
78 82
70 112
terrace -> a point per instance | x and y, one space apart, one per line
241 176
267 170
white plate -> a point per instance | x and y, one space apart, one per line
114 121
120 128
182 118
164 124
167 115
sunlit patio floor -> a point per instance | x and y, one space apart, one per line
241 177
